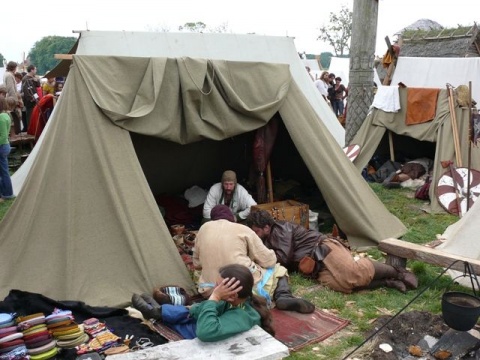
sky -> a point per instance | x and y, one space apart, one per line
263 17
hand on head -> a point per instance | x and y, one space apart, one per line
226 290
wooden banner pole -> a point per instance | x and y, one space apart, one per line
269 183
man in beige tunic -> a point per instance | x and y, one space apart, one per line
222 241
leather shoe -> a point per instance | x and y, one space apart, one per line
396 284
408 278
301 306
149 308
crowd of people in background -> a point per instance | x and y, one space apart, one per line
333 91
25 105
28 88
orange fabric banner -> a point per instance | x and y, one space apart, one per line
421 105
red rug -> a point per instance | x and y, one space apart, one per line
299 330
293 329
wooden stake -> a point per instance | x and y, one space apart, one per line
453 119
453 172
391 67
469 157
390 144
269 183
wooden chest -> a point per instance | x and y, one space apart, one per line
288 210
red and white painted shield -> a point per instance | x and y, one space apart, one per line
352 151
450 199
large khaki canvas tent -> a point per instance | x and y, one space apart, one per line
438 131
86 226
272 49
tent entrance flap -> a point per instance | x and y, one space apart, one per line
405 148
172 168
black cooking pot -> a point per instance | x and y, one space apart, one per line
460 310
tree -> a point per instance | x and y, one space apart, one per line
193 27
43 51
338 32
2 60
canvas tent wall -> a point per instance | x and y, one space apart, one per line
437 72
438 131
86 222
341 67
314 67
279 50
461 238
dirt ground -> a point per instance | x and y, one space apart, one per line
405 330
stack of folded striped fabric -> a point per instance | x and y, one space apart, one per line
12 345
65 330
38 340
101 338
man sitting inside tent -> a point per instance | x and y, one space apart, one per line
229 192
222 241
324 258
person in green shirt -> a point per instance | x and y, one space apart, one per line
232 308
6 189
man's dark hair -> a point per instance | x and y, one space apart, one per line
11 66
30 67
259 219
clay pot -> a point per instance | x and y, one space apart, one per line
460 310
177 229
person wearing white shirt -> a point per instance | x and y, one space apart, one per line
228 192
322 85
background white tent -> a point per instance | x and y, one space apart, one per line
341 67
461 238
437 72
314 67
273 49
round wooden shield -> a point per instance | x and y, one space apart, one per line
352 151
452 190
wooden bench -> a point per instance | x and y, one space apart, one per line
398 251
255 344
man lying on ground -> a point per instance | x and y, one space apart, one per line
324 258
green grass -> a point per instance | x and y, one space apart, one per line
362 308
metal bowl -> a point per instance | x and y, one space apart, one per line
460 310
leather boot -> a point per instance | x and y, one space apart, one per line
149 308
384 271
408 278
284 300
390 283
396 284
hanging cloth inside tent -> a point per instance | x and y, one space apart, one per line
262 150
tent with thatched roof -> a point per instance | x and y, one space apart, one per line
442 43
